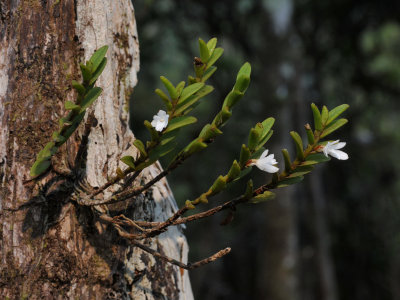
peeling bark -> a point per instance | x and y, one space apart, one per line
54 249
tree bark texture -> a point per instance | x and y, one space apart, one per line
52 248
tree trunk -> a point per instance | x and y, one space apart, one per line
52 248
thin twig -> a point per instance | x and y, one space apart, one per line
189 266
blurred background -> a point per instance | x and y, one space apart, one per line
336 235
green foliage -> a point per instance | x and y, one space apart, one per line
87 94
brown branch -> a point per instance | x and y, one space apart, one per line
189 266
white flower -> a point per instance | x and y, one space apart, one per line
265 163
331 148
160 120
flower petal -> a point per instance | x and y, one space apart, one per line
339 154
264 154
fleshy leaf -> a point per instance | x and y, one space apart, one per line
215 56
218 185
289 181
286 158
190 90
244 156
300 171
317 117
78 87
204 53
98 71
299 145
267 195
249 189
324 115
86 73
170 88
97 57
164 98
69 105
234 171
129 160
336 112
140 146
211 45
315 158
179 122
335 125
39 167
90 97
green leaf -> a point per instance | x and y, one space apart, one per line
315 158
140 146
218 185
300 171
129 161
324 115
191 101
244 172
266 126
190 90
179 122
69 105
73 125
39 167
57 137
168 137
244 70
265 139
97 57
223 116
234 171
215 56
286 157
208 73
299 145
317 117
189 204
336 112
232 98
194 147
310 134
211 45
335 125
153 132
161 150
249 189
47 151
289 181
242 83
209 132
244 156
164 98
204 54
170 88
90 97
78 87
254 136
180 87
86 73
64 121
98 71
267 195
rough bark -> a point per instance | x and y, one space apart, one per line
52 248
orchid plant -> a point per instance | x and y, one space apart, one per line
179 100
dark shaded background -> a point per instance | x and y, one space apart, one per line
336 234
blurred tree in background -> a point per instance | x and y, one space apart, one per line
337 238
